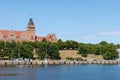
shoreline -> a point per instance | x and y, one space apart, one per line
54 62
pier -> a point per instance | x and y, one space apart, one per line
54 62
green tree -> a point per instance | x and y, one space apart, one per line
28 51
60 44
44 40
53 51
48 50
97 49
24 50
70 44
2 45
41 51
83 50
109 51
103 43
8 49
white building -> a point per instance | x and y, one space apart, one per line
118 51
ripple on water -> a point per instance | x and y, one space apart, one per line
9 74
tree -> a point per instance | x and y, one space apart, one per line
7 49
44 40
48 50
53 51
103 43
97 49
118 45
70 44
110 52
42 50
28 51
60 44
17 51
83 50
2 45
24 50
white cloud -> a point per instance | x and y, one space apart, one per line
66 34
88 36
110 33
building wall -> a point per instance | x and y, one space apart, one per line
27 35
30 35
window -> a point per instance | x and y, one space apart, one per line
32 37
11 35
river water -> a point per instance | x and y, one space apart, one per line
60 72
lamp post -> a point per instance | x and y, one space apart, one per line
100 49
18 56
46 53
19 53
100 52
76 54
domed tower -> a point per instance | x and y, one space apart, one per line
30 30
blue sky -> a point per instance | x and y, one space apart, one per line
88 21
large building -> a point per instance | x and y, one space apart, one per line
27 35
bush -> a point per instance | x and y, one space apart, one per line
79 59
84 55
69 58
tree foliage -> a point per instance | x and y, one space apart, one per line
69 44
107 50
48 50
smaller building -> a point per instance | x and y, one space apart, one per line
118 52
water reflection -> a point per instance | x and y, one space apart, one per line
59 72
20 66
13 74
18 72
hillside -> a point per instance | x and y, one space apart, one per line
68 53
73 54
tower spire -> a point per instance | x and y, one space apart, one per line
30 25
30 22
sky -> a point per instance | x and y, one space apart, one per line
86 21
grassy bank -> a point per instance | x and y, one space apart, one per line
74 53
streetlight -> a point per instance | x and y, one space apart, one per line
75 54
100 49
100 52
46 53
19 53
18 56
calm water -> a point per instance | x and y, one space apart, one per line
60 72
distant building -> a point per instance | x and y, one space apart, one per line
27 35
118 51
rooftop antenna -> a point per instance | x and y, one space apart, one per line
11 27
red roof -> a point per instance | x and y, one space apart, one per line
39 38
18 33
6 32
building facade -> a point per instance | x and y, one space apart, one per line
27 35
